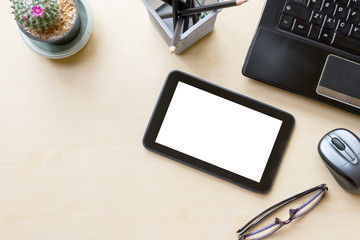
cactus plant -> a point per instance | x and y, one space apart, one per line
36 14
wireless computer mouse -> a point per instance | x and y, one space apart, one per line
340 150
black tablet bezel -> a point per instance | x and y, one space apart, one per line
160 111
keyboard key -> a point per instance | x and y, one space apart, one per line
301 28
330 23
343 2
286 22
302 2
318 19
297 11
355 3
344 28
354 16
346 43
314 32
326 36
355 32
315 4
333 22
342 12
329 7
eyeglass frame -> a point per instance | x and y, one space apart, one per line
263 215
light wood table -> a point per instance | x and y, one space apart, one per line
72 164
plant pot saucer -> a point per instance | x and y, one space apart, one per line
54 51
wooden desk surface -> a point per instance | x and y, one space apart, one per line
72 164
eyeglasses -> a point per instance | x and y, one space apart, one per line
251 231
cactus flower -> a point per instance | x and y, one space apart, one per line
36 14
37 11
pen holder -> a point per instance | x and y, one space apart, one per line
166 29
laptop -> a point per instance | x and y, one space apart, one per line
310 47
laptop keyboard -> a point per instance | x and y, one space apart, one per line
332 22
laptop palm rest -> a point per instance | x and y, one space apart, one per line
340 80
286 62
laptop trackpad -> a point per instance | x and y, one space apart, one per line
340 80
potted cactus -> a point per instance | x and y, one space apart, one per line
50 21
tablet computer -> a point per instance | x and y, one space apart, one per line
218 131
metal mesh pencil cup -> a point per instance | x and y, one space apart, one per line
195 31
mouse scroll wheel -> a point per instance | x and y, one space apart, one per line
338 144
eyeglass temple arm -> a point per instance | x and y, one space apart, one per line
276 207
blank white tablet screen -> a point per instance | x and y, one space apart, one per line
218 131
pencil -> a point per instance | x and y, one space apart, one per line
175 4
211 7
194 17
187 19
181 6
176 35
205 8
